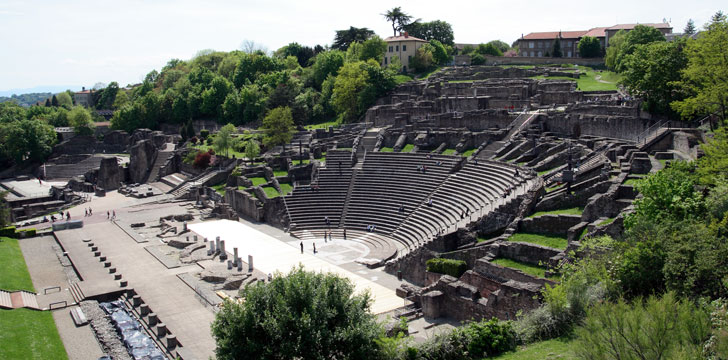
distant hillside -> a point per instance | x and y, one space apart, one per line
26 100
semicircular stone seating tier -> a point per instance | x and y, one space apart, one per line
392 192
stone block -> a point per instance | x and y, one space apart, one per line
136 300
117 276
97 254
152 319
144 309
171 341
107 264
161 330
431 303
112 270
123 283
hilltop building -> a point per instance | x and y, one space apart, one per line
84 97
404 47
540 44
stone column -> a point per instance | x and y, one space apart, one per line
250 263
236 260
184 226
211 250
223 254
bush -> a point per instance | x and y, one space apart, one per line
193 140
204 134
202 160
477 59
208 141
8 231
658 328
189 158
26 233
447 266
490 338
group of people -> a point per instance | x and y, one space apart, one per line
371 228
53 216
111 215
422 168
88 212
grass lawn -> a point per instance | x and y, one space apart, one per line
632 181
560 348
449 152
606 222
386 149
286 188
556 187
14 275
527 268
280 173
408 148
204 147
569 211
219 188
401 79
271 192
542 173
324 125
29 334
468 153
258 180
587 81
552 241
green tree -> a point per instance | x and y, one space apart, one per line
302 315
252 150
424 59
500 45
344 38
477 59
556 49
224 140
48 102
488 49
350 83
373 48
706 73
79 118
302 53
652 72
689 28
214 96
640 35
433 30
64 99
589 47
439 53
326 63
278 127
27 140
54 101
107 96
398 18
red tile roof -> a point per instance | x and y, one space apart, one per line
631 26
596 32
403 38
554 34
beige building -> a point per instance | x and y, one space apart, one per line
403 47
84 98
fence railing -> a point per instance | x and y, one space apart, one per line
644 136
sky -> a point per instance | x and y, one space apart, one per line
49 44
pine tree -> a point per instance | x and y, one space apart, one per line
54 101
48 102
689 28
556 52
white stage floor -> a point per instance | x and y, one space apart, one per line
271 255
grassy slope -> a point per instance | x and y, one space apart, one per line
551 241
544 350
569 211
14 274
527 268
24 334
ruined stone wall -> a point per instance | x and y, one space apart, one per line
412 265
549 224
523 252
504 274
244 204
627 128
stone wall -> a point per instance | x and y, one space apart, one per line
524 60
245 204
504 274
110 174
549 224
412 265
142 156
523 252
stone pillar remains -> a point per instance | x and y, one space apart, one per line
184 226
223 254
235 257
250 263
217 244
211 250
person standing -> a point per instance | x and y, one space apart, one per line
301 247
314 247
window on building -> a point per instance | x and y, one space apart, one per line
396 48
409 58
540 44
385 60
531 53
568 54
404 47
540 54
530 45
391 49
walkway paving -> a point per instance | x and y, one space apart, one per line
173 301
271 255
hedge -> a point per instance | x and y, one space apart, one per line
26 233
8 231
447 266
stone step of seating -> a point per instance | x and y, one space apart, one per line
174 179
68 171
5 301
